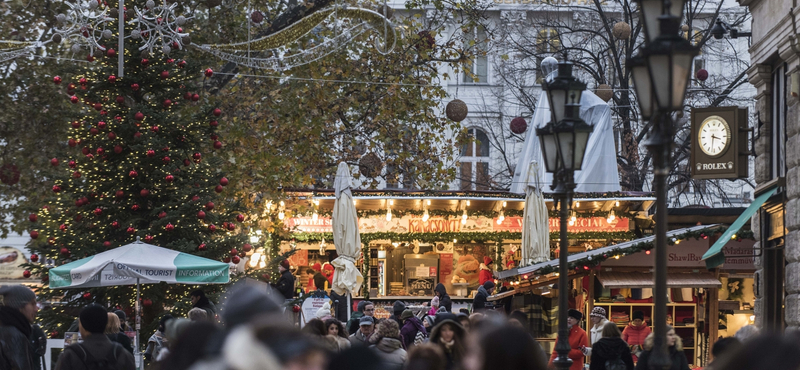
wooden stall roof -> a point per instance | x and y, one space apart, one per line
616 280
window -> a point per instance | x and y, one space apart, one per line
778 127
476 70
474 165
547 42
699 63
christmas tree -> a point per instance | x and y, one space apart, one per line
144 164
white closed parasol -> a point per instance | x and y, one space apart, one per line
535 228
347 279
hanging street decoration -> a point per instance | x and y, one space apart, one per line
10 49
159 26
84 26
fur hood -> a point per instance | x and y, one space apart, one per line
650 341
243 351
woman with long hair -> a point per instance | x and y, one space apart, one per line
674 349
450 335
113 333
335 330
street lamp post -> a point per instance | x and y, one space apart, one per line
660 76
563 142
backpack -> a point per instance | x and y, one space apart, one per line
615 364
420 338
93 363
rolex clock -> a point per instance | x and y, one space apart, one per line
714 136
719 147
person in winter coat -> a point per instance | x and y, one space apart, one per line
366 328
598 317
451 336
635 333
411 326
444 298
434 306
96 345
324 312
285 284
485 273
397 309
364 308
158 340
577 340
484 291
504 348
723 346
113 333
320 281
674 348
17 311
387 344
200 300
328 270
336 330
610 349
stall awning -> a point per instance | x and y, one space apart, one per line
714 256
617 280
611 249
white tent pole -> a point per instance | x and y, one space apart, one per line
138 326
349 305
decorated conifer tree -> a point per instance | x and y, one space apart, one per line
144 165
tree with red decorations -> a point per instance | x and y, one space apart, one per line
144 163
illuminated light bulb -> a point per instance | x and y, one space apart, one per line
733 237
616 204
505 204
316 202
389 214
647 252
611 215
455 240
429 202
281 215
678 241
571 223
314 216
577 204
354 202
464 218
426 216
501 218
616 257
467 203
573 218
391 202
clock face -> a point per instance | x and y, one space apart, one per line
714 136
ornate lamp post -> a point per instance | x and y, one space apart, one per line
563 142
660 76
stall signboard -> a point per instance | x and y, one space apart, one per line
11 260
689 253
311 306
414 224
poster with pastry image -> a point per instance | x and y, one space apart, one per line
11 260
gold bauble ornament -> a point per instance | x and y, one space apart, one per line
604 92
456 110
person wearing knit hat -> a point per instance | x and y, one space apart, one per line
598 318
485 273
397 310
411 327
484 291
577 338
324 312
636 333
96 345
285 284
17 311
434 306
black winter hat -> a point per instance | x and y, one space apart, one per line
575 313
488 284
94 318
637 315
398 307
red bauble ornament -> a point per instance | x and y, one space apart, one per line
133 174
201 215
34 234
100 151
201 247
119 194
102 125
135 87
34 257
235 260
182 64
85 150
187 96
169 227
76 174
90 58
195 97
111 53
71 87
167 103
94 131
218 189
74 99
106 244
112 79
217 112
234 252
702 74
98 211
164 75
82 81
213 123
115 224
118 149
186 162
209 206
247 247
209 72
87 295
64 251
72 164
76 124
135 207
137 135
62 227
138 116
217 145
145 62
226 260
144 192
57 80
148 238
72 143
212 228
231 226
169 178
26 274
162 214
98 106
196 156
33 217
165 160
295 308
150 152
54 162
56 188
112 136
223 181
147 303
240 217
130 230
518 125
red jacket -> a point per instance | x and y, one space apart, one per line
635 336
485 274
577 339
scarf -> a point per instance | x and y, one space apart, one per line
12 317
449 345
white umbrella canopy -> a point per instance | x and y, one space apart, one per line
346 278
535 228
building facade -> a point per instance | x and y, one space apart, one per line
774 73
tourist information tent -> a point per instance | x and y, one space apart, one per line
138 263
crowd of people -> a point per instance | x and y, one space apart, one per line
253 330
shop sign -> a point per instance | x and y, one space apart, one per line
689 253
434 225
11 260
310 225
311 306
582 224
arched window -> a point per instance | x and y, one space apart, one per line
474 165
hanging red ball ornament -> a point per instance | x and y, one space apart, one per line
72 143
234 252
135 87
56 188
72 164
296 309
137 135
135 207
195 97
165 160
218 189
71 87
201 247
138 116
33 217
64 251
209 206
182 64
150 152
187 96
34 234
76 124
111 136
223 181
145 61
147 302
74 99
231 226
87 295
98 106
195 198
187 162
57 80
34 257
162 214
148 238
111 53
235 260
98 211
119 194
85 150
94 131
201 215
226 260
217 145
701 74
112 79
257 17
102 125
169 178
154 128
164 75
518 125
196 156
240 217
115 224
27 273
106 244
247 247
169 227
167 103
83 81
76 174
144 192
209 72
212 228
118 148
217 112
133 174
54 162
131 230
62 227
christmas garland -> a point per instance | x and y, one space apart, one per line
468 194
455 214
462 237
